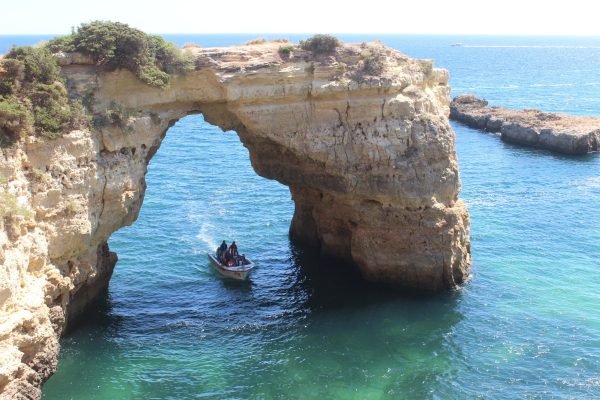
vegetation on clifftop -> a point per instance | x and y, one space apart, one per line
114 45
372 62
33 97
320 44
286 50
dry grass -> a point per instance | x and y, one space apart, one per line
256 41
39 176
10 207
72 207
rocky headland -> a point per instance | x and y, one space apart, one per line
560 133
360 136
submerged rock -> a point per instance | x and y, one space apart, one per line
369 160
561 133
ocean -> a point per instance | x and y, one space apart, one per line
527 324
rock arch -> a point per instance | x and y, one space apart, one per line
370 163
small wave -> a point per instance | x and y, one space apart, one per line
511 46
564 84
590 183
552 85
247 328
534 85
586 383
488 87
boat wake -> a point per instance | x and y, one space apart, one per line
205 236
511 46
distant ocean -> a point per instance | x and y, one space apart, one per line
526 326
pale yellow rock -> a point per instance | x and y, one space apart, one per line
369 160
561 133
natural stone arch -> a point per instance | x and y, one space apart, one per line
369 160
370 163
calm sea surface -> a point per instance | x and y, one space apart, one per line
526 326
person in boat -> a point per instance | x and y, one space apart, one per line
221 251
243 260
233 249
227 258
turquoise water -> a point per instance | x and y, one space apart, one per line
527 325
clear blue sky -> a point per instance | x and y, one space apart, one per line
551 17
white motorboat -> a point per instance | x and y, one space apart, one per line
239 272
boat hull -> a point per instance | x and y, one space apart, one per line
238 273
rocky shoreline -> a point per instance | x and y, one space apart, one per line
561 133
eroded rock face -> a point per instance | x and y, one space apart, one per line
370 163
561 133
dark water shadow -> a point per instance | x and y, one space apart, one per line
329 283
235 285
98 316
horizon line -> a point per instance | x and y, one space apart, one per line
337 33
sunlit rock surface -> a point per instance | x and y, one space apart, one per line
369 160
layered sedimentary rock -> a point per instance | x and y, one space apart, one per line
369 160
561 133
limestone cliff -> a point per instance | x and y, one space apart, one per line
369 160
560 133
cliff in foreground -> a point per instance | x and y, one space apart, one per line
360 135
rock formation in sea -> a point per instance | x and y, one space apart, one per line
369 160
560 133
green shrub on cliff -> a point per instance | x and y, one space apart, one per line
14 119
115 114
12 72
286 50
39 64
33 97
170 58
320 44
54 112
114 45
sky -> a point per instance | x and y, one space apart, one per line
504 17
